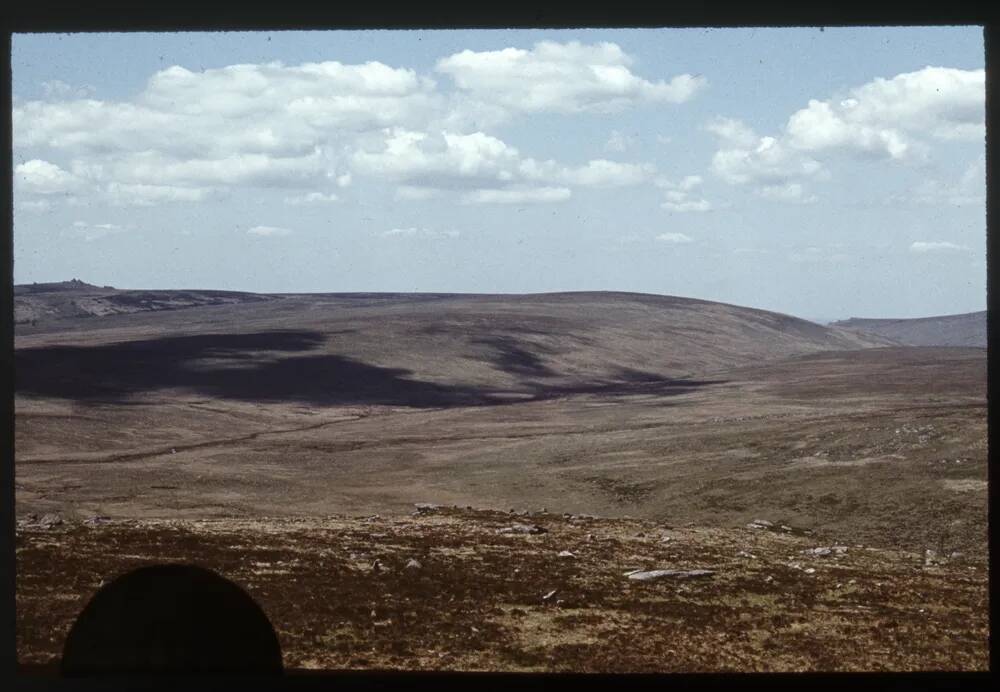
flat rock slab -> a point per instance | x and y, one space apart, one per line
670 574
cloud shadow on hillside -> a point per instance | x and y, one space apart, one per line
276 366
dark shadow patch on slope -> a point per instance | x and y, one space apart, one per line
274 366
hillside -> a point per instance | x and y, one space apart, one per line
409 349
968 329
461 589
43 302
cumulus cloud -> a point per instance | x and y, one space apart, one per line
884 116
485 168
44 178
268 231
679 196
936 246
894 119
732 131
674 238
561 77
447 160
241 125
768 162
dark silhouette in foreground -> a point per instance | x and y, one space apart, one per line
177 619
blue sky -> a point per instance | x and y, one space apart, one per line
825 174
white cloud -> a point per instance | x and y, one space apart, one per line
517 195
447 160
561 77
732 131
268 231
664 139
312 198
679 196
768 162
44 178
936 246
675 238
596 173
258 125
883 116
485 167
893 119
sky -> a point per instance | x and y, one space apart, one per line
821 173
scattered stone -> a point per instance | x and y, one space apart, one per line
768 579
377 566
810 570
423 507
760 524
744 553
49 520
666 539
549 595
566 553
640 535
818 552
96 520
670 573
413 564
523 528
787 529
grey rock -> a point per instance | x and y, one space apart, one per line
670 574
413 564
523 528
49 520
566 553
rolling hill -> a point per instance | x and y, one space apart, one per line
398 349
75 298
967 329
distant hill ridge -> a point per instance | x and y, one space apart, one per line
42 302
967 329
